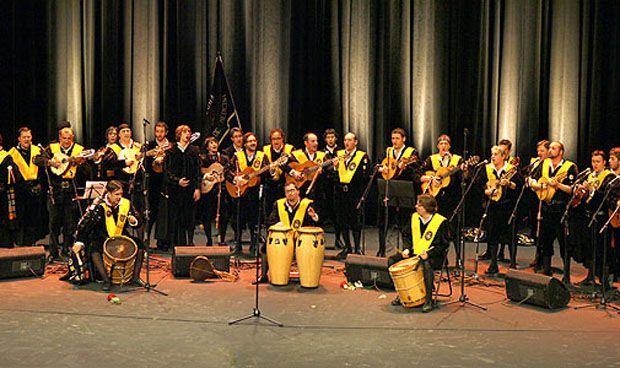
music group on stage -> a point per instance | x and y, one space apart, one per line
164 188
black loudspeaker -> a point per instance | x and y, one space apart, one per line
369 270
21 262
182 257
536 289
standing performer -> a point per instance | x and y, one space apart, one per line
274 184
554 182
106 157
501 189
62 204
29 190
506 145
401 157
330 137
592 191
310 152
236 137
429 233
352 166
212 202
448 197
542 152
182 182
154 164
113 216
613 201
246 206
129 174
7 197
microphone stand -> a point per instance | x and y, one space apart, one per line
362 205
464 299
386 209
146 231
604 302
513 220
256 313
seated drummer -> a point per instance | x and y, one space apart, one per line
429 234
111 217
291 211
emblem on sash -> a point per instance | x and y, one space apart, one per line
428 235
296 224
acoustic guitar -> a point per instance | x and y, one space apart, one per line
615 216
497 190
308 171
66 162
443 175
546 192
392 166
252 176
217 171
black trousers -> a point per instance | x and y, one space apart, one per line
551 228
429 266
62 219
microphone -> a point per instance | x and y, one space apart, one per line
482 163
260 192
146 122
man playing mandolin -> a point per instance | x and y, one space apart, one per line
63 158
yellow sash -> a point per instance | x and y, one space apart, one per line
491 171
243 162
288 148
116 148
389 152
301 157
422 242
116 228
436 161
346 172
298 219
77 149
546 168
596 182
3 154
28 170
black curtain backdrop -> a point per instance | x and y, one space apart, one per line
520 69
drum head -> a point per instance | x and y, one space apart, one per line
120 248
405 264
310 230
280 228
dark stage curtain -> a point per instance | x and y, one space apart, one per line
520 69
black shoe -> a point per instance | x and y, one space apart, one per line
484 256
65 277
588 281
492 270
261 280
381 254
106 286
343 254
396 301
427 307
513 265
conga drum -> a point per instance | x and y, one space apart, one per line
119 258
310 252
408 277
280 249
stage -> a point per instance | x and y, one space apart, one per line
50 323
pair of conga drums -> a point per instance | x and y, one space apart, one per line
308 246
408 277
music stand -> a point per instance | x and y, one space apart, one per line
94 189
400 195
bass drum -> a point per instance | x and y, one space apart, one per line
119 258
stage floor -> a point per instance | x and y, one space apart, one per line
50 323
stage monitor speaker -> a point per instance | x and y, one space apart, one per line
369 270
182 257
536 289
22 262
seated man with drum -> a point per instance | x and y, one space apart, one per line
429 234
292 212
102 235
